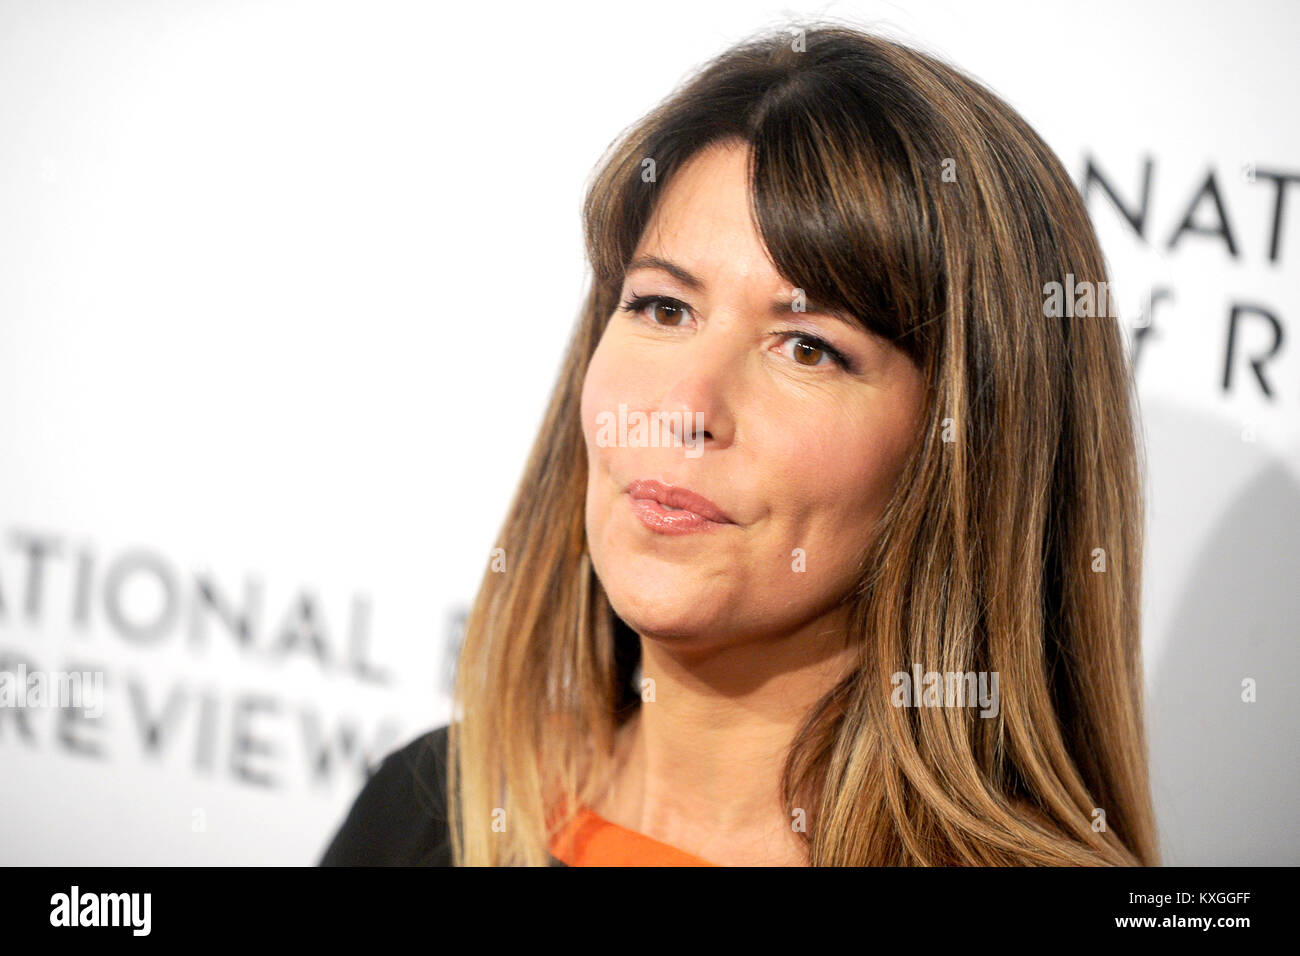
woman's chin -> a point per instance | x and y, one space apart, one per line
665 622
667 609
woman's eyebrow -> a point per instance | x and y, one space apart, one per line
781 306
785 306
683 276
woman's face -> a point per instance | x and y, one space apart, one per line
798 452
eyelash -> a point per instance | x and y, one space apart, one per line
639 302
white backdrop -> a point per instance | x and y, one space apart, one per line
284 287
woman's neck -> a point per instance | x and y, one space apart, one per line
699 767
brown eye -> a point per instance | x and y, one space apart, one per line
807 354
665 314
811 351
659 309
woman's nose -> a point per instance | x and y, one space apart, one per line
698 402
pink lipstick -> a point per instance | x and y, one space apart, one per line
671 510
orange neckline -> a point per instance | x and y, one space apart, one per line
591 840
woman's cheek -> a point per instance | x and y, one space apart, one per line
595 392
619 374
807 448
832 477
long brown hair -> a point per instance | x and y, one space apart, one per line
906 194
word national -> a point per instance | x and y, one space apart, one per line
102 909
946 689
653 430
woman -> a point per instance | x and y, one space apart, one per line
828 551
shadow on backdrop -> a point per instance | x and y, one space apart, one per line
1225 772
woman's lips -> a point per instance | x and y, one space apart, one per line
671 510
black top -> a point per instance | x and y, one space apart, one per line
400 816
